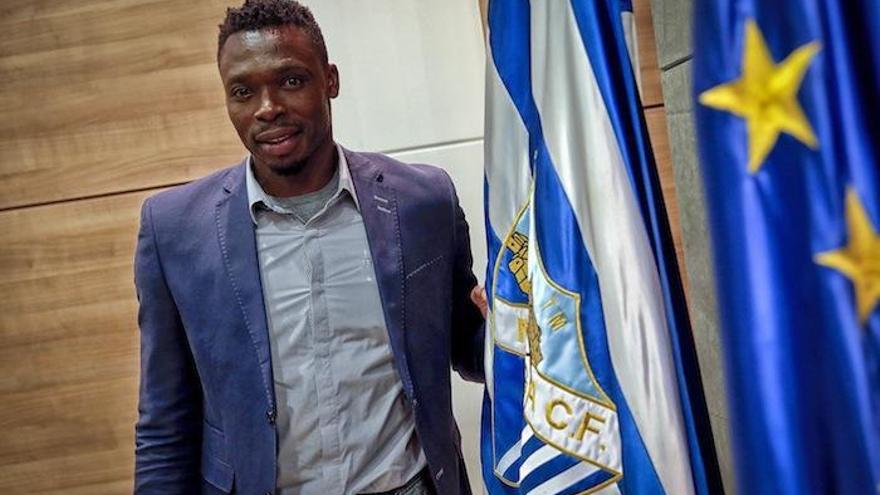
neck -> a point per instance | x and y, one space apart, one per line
313 175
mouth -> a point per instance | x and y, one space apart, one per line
278 141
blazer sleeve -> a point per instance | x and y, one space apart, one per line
169 426
468 325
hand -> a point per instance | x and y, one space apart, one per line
478 297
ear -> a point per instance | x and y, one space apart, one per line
332 81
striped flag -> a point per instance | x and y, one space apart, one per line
592 385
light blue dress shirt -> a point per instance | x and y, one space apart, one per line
344 425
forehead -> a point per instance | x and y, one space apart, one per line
266 49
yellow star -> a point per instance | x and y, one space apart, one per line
860 259
766 96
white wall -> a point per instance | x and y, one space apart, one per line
412 86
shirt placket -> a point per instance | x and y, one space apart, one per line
326 383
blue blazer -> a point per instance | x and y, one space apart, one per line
207 404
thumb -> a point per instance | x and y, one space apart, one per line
478 297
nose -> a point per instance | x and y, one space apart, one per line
270 108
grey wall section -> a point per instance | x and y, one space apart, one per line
672 28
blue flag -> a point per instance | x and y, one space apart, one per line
788 95
592 385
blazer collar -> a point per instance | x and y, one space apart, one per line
238 245
381 215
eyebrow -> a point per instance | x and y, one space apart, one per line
284 67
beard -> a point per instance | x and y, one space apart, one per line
289 169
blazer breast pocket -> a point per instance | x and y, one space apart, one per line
423 268
428 287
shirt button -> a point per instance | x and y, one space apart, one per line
270 416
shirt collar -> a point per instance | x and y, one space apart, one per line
257 195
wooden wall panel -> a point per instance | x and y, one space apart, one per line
656 120
655 115
652 92
107 96
68 346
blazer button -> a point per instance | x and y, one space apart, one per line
270 416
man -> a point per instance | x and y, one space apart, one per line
299 311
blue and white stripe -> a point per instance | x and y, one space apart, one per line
566 161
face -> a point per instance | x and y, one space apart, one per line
278 91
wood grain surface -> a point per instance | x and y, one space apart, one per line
68 346
105 101
108 96
652 94
656 120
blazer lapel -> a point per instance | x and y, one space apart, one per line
235 231
378 205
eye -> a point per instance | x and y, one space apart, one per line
293 81
240 92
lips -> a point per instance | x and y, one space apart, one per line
279 141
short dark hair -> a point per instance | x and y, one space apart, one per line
254 15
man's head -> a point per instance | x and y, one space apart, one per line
278 84
255 15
